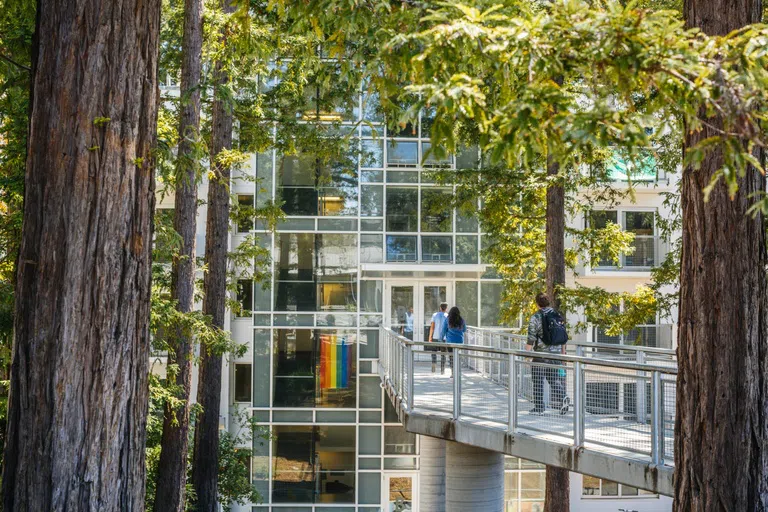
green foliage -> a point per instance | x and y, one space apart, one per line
625 71
234 483
17 22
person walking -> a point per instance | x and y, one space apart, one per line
408 327
454 328
546 334
436 335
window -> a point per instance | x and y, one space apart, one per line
622 167
316 272
399 442
490 302
327 97
430 159
524 484
466 296
315 368
593 486
372 201
436 210
372 154
402 248
244 213
436 249
466 249
641 224
243 383
313 464
601 220
402 209
314 188
403 154
371 249
245 296
371 293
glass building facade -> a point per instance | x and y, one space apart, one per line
366 241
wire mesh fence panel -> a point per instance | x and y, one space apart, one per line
482 394
617 410
668 411
545 397
432 382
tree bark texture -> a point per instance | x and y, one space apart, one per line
721 455
78 398
172 466
557 494
205 456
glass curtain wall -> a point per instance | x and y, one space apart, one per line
315 327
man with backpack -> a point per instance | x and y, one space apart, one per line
547 334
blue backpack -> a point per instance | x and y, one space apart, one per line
553 328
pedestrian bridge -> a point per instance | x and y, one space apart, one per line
619 425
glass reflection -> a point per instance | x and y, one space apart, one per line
401 309
402 209
313 464
316 272
436 210
310 187
401 248
436 249
315 367
402 154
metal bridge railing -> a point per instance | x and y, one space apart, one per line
623 407
503 339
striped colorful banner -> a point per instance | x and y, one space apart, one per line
335 362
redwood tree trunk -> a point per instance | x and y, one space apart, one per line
205 457
172 466
721 456
557 494
78 399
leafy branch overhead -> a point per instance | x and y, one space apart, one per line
628 74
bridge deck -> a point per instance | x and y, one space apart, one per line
485 403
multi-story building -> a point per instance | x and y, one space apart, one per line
381 246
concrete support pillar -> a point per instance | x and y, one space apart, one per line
432 474
474 479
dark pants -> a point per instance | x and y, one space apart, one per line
442 351
556 385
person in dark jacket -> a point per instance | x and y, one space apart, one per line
539 371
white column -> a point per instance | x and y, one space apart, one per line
432 474
474 479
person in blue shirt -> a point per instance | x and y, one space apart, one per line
453 330
436 335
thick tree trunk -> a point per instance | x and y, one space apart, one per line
205 457
172 466
557 495
721 456
78 400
